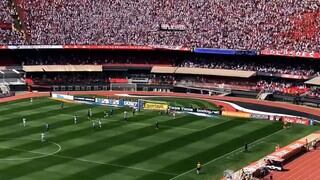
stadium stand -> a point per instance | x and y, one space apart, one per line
249 24
10 24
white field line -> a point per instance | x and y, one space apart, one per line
239 149
54 154
42 155
115 165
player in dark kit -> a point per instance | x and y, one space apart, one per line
157 124
62 105
245 147
89 113
133 111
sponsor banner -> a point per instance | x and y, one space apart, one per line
156 106
201 114
175 108
286 76
174 27
274 118
247 53
259 116
108 47
133 104
171 48
36 47
188 109
207 111
62 96
85 99
116 102
105 47
199 111
236 114
315 55
214 51
296 120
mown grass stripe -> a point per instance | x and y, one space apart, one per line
89 148
157 150
216 151
65 136
24 108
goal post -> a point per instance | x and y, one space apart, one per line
123 87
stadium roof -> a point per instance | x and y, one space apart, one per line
203 71
314 81
63 68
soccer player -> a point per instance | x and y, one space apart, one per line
100 124
157 124
198 167
43 137
105 114
24 121
246 147
89 113
93 124
125 115
174 114
111 112
62 105
47 127
75 119
133 111
31 100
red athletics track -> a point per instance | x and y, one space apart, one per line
215 99
306 167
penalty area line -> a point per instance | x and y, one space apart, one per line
115 165
54 154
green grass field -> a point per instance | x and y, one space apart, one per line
129 150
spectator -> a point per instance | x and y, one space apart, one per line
237 24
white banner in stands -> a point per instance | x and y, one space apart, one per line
62 96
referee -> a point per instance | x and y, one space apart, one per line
198 168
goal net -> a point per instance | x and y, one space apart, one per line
123 87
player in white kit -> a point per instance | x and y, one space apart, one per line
125 115
75 119
100 124
43 137
24 121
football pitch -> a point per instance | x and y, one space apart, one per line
135 149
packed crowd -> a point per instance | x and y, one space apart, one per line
10 37
288 67
66 79
7 35
238 24
282 87
4 12
314 93
65 57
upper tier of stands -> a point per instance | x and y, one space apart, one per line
7 34
236 24
167 62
